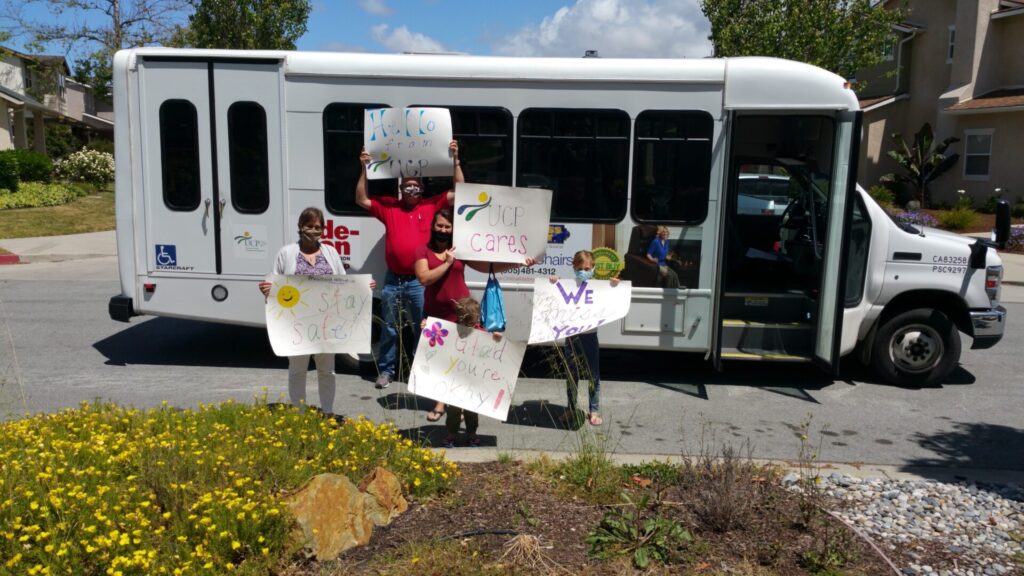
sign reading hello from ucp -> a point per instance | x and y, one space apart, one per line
407 142
501 223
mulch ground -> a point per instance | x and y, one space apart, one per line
494 497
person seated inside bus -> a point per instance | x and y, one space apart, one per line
406 220
309 257
658 252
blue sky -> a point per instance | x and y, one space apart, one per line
616 28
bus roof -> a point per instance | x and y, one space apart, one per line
749 82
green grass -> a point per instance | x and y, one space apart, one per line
92 213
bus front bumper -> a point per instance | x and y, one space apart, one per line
988 327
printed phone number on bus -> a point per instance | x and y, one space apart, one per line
532 271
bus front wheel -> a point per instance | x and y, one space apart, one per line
918 347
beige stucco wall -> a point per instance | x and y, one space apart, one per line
12 74
929 72
1008 56
876 141
76 97
6 131
1007 171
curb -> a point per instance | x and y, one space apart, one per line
9 259
858 470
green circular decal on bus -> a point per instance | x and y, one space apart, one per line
607 263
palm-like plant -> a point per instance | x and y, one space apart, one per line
923 162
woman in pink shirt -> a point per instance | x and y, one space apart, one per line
443 277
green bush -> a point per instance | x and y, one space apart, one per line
33 166
882 195
35 194
957 218
101 145
87 165
8 173
1018 210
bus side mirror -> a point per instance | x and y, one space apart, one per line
1002 230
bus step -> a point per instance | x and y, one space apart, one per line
733 354
768 307
794 338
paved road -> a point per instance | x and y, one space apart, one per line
58 348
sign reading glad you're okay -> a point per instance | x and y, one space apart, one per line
501 223
407 142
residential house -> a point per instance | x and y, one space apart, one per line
959 65
36 89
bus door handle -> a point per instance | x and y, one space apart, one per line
206 214
220 207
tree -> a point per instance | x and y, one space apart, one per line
842 36
923 162
90 31
245 24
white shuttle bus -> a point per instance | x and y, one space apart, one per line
750 163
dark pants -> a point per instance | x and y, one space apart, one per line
454 417
583 354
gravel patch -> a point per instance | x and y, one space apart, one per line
961 529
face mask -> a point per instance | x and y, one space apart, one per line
584 275
310 235
441 237
412 190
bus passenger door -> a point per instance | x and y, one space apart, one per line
177 168
250 203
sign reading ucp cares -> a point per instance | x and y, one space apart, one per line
407 142
501 223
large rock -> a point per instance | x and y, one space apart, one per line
331 513
384 498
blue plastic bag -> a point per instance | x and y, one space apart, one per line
492 309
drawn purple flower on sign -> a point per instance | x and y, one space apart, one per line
436 333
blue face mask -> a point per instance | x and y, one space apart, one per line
584 275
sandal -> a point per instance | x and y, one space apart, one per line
595 419
434 415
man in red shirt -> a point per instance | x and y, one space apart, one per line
406 222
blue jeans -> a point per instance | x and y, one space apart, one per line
583 354
402 299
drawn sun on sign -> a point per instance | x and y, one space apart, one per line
288 297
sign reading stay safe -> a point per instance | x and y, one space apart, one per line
500 223
319 314
466 367
567 307
408 142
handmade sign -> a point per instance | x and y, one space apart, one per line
568 307
500 223
466 367
407 142
319 314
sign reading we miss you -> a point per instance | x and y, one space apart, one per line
319 314
407 142
565 308
466 367
500 223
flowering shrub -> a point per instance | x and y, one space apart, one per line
917 219
111 490
33 194
1016 241
86 166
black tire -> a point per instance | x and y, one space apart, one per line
919 347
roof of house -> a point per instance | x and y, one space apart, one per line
45 59
995 101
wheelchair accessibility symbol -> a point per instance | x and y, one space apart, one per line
166 255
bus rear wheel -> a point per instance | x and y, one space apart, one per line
918 347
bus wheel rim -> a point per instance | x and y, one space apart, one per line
916 348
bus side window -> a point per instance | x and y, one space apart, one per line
672 166
179 155
343 139
582 156
485 146
247 145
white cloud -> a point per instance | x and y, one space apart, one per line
616 29
401 39
379 7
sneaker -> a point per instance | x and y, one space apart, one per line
449 442
383 381
474 441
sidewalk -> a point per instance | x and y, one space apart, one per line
90 256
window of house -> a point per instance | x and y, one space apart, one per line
179 155
249 162
485 147
951 44
582 156
343 139
671 166
977 154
